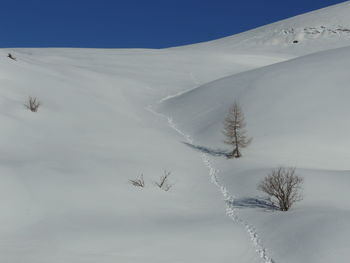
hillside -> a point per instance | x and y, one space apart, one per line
109 116
295 110
65 170
319 30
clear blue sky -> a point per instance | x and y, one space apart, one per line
137 23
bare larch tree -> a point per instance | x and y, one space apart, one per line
234 130
284 185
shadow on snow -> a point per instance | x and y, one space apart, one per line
257 202
207 150
246 202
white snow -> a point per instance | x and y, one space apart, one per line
108 116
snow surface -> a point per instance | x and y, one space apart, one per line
108 116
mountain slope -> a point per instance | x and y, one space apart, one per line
65 170
296 113
295 109
319 30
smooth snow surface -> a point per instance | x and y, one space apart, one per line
108 116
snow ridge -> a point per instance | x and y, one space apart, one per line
295 35
231 211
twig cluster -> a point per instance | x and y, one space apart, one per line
138 182
33 104
164 182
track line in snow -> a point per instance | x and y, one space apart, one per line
231 211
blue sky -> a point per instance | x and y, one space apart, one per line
137 23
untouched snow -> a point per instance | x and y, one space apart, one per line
108 116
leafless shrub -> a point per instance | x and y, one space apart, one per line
283 185
138 182
234 130
164 182
33 104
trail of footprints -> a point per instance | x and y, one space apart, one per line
231 212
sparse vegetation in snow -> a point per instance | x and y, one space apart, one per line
163 182
283 185
138 182
32 104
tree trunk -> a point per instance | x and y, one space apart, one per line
236 153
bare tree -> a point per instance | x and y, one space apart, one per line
138 182
33 104
283 185
234 130
164 182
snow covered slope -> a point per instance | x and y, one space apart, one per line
296 112
65 195
304 34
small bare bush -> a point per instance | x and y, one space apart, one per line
164 182
33 104
283 185
138 182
